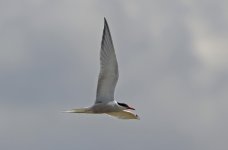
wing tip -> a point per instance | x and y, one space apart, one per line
106 32
105 21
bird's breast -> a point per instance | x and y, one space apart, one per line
105 107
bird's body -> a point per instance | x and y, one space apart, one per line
98 108
108 77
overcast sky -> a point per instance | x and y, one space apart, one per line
173 65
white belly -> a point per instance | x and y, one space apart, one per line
105 107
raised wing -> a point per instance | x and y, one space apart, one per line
108 68
125 114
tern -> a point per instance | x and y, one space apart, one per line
108 77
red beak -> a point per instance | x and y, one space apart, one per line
131 108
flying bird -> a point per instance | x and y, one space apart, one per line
108 77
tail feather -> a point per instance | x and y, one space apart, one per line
79 110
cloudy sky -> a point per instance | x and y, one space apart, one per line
173 64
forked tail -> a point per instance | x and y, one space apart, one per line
79 110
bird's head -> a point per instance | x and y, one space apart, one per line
125 106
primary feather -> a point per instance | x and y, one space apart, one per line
108 76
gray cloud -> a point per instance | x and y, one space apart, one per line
173 69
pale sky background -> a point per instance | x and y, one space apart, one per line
173 64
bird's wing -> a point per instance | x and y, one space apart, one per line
108 68
125 114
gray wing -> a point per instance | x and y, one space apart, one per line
108 68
